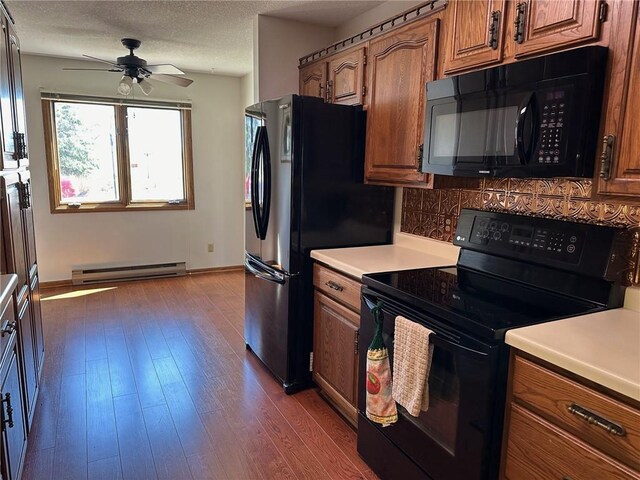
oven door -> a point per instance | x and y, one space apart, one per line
459 436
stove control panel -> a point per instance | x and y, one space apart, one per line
577 247
564 244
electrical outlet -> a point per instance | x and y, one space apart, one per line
210 247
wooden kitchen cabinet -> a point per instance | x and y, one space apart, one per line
19 251
336 328
619 172
13 431
313 79
475 34
559 427
400 63
338 78
12 108
545 25
345 83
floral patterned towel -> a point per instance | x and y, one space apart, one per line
381 407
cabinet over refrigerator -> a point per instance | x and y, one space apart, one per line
305 177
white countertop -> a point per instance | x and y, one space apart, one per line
603 347
405 254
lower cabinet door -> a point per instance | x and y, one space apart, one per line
335 353
38 332
11 415
26 349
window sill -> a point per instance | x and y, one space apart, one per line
101 207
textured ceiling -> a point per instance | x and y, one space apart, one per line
193 35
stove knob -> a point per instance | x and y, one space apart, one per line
493 226
497 235
504 227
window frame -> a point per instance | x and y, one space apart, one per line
125 203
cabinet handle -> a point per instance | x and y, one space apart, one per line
356 342
329 91
606 156
334 286
320 87
518 23
494 28
419 157
597 420
9 410
9 328
23 146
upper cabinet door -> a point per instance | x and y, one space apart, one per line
619 172
476 34
543 25
346 77
399 66
20 123
313 79
9 158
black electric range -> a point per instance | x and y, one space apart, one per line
512 271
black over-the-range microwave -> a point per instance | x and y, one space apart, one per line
534 118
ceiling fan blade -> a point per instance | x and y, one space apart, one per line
179 81
100 60
165 68
96 69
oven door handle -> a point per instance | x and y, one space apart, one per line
443 339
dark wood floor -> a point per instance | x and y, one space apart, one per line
151 379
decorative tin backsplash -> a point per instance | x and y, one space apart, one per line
434 213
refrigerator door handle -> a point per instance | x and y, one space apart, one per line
255 206
268 268
257 268
266 178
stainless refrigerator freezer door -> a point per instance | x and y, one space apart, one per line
266 325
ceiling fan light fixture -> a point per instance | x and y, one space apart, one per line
125 85
145 85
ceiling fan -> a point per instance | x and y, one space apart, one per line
136 69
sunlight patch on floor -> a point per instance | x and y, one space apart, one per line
77 293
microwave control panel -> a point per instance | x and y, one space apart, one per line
561 244
552 118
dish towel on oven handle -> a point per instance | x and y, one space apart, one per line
381 408
412 354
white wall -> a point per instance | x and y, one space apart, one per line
279 46
372 17
68 240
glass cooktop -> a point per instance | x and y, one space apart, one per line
480 304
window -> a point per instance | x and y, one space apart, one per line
110 155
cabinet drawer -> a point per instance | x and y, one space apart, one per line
538 450
7 324
337 286
570 404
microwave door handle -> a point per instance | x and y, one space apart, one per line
523 111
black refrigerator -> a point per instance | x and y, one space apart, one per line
305 175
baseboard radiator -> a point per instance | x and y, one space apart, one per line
124 274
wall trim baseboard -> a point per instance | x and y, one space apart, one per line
194 271
228 268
